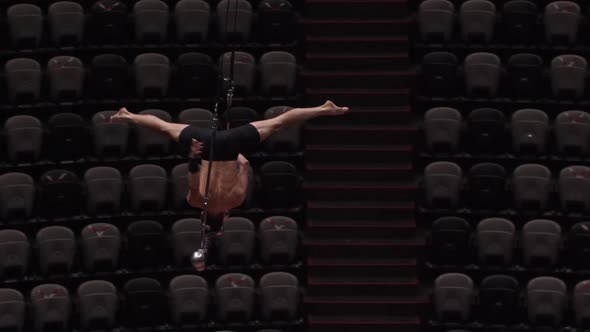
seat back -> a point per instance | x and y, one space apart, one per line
109 21
519 20
97 304
60 193
194 74
13 308
17 196
436 20
525 75
495 241
148 186
439 73
541 243
478 20
25 23
546 300
530 128
244 70
278 237
277 21
236 243
186 239
152 74
278 73
189 299
531 186
111 139
23 138
482 74
235 297
453 297
101 246
234 20
145 302
568 76
572 133
66 78
485 130
450 240
15 253
581 304
280 183
442 129
191 19
279 293
443 182
56 247
68 136
23 80
145 243
561 21
51 307
66 22
151 21
573 187
499 298
104 190
486 185
110 76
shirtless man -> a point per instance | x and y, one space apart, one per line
230 172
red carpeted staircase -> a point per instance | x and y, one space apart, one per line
360 235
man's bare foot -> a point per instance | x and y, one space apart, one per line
331 109
122 116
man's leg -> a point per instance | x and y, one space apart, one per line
151 122
296 116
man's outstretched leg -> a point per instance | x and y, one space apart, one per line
294 117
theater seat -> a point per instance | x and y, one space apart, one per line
531 187
234 26
191 19
436 20
443 182
235 295
561 21
278 240
572 133
279 295
51 308
453 297
477 20
450 240
442 129
546 299
495 241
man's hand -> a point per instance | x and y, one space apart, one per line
242 161
122 116
196 149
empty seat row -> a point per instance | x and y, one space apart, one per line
486 185
144 302
546 300
152 73
149 21
485 131
103 190
540 244
101 247
68 137
478 21
483 75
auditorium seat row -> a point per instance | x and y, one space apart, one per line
149 22
540 244
102 248
486 185
483 75
147 188
544 301
517 22
109 76
144 302
486 131
68 137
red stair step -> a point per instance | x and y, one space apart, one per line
353 154
366 61
358 210
357 8
393 287
342 192
386 228
358 79
357 27
358 171
355 248
354 44
365 305
381 268
356 323
359 134
369 115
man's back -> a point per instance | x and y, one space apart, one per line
222 193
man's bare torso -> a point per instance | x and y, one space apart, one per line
222 196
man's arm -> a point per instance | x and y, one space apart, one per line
193 197
241 188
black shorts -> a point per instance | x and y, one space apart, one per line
228 143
